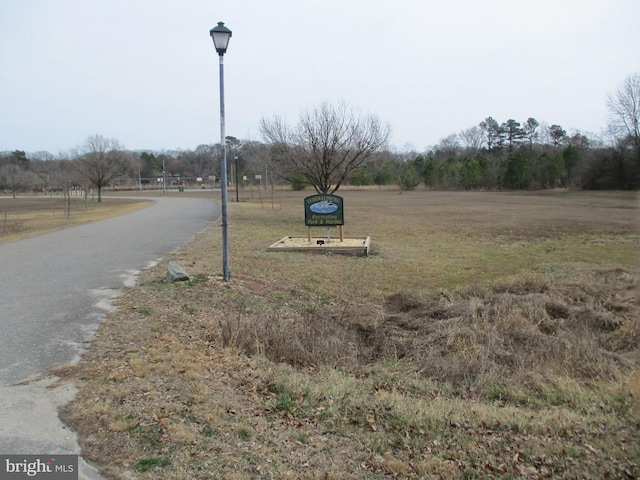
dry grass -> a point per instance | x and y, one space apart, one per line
30 215
487 336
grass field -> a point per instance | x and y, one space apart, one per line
488 335
28 215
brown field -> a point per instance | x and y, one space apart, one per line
28 215
487 335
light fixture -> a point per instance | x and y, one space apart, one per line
220 35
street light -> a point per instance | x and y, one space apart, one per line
221 35
237 184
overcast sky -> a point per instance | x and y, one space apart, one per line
145 71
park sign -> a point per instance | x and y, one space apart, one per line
323 210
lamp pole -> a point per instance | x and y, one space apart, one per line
237 184
221 35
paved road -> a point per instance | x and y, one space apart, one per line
55 289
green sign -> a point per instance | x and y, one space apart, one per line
323 209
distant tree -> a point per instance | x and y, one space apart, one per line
15 178
549 170
472 138
65 177
234 146
408 177
362 178
516 170
492 132
558 134
42 156
150 165
448 146
327 145
41 164
426 166
571 159
101 160
259 162
474 172
204 160
609 169
19 158
383 170
579 141
513 133
530 128
624 108
449 173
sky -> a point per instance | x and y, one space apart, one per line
145 72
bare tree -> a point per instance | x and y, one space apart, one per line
624 107
259 161
101 161
65 177
41 167
327 145
16 178
448 147
472 138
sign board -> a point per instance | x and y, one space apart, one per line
323 210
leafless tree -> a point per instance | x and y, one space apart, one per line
472 138
448 147
16 178
101 161
327 145
259 161
624 107
65 177
43 165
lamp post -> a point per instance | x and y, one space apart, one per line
221 35
237 184
164 179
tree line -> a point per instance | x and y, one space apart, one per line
334 145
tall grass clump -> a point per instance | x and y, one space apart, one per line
532 340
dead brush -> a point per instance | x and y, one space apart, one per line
476 340
328 336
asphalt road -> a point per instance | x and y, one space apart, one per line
55 289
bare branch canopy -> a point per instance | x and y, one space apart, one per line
624 107
328 145
102 160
